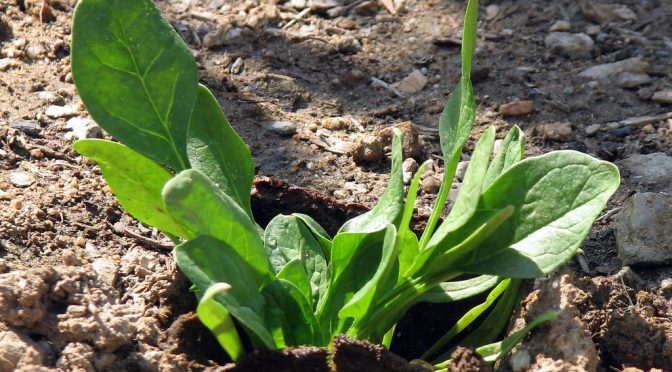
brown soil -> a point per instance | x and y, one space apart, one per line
84 286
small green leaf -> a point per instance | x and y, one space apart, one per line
135 75
511 152
201 207
460 290
318 232
286 239
207 261
214 148
408 241
136 181
557 197
361 303
215 317
289 315
467 319
295 273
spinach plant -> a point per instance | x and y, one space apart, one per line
180 166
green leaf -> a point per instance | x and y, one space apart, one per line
511 152
207 261
214 148
217 319
469 36
289 315
498 350
470 191
361 303
557 197
407 240
460 290
135 76
295 273
286 239
318 232
201 207
467 319
136 181
356 249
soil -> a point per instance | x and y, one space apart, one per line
83 286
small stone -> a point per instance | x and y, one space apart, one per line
50 97
29 127
21 179
298 4
347 24
408 168
574 46
662 96
648 129
653 170
66 111
517 108
640 230
367 149
560 26
593 30
492 11
608 71
335 123
340 194
35 51
555 131
461 170
348 45
632 80
413 83
454 192
312 127
322 5
237 66
283 128
593 129
7 63
81 128
106 268
431 185
222 35
413 145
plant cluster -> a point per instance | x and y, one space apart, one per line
180 166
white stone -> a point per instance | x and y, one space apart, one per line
642 230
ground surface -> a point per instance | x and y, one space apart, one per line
86 286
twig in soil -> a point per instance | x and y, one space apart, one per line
46 151
609 213
294 36
291 23
382 84
121 230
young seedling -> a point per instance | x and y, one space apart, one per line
180 166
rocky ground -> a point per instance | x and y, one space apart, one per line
314 87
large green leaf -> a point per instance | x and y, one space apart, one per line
201 207
286 239
290 316
460 290
207 261
136 181
135 76
214 148
557 197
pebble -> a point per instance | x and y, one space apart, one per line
517 108
560 26
413 144
662 96
222 35
608 71
7 63
408 168
237 66
106 268
340 194
641 227
50 97
574 46
35 52
367 149
413 83
555 131
312 127
593 30
654 170
348 45
81 128
66 111
29 127
492 11
335 123
21 179
454 192
632 79
283 128
461 170
431 185
592 129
